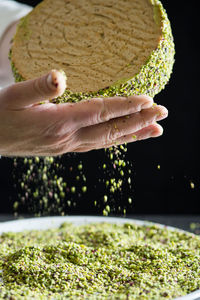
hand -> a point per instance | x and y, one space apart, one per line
30 129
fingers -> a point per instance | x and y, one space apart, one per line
23 94
153 130
99 110
113 130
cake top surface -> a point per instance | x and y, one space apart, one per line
96 43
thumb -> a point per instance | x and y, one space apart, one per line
23 94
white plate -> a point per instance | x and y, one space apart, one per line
53 222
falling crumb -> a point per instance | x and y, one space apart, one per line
192 185
129 200
107 208
15 205
80 167
47 186
84 189
105 213
105 198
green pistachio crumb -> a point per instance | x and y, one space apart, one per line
108 260
105 198
73 189
129 200
84 189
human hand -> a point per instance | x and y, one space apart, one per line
30 129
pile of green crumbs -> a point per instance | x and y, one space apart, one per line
54 185
99 261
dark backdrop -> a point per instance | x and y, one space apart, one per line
168 189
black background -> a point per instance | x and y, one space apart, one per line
168 189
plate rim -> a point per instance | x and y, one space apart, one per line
82 218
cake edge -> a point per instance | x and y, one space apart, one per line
150 80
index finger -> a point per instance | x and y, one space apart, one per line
99 110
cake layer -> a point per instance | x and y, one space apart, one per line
105 48
95 42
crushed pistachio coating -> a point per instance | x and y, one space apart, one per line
99 261
152 77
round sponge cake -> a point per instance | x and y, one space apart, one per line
105 47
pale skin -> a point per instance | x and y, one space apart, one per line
30 129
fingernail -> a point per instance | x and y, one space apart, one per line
162 114
52 80
148 103
156 133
